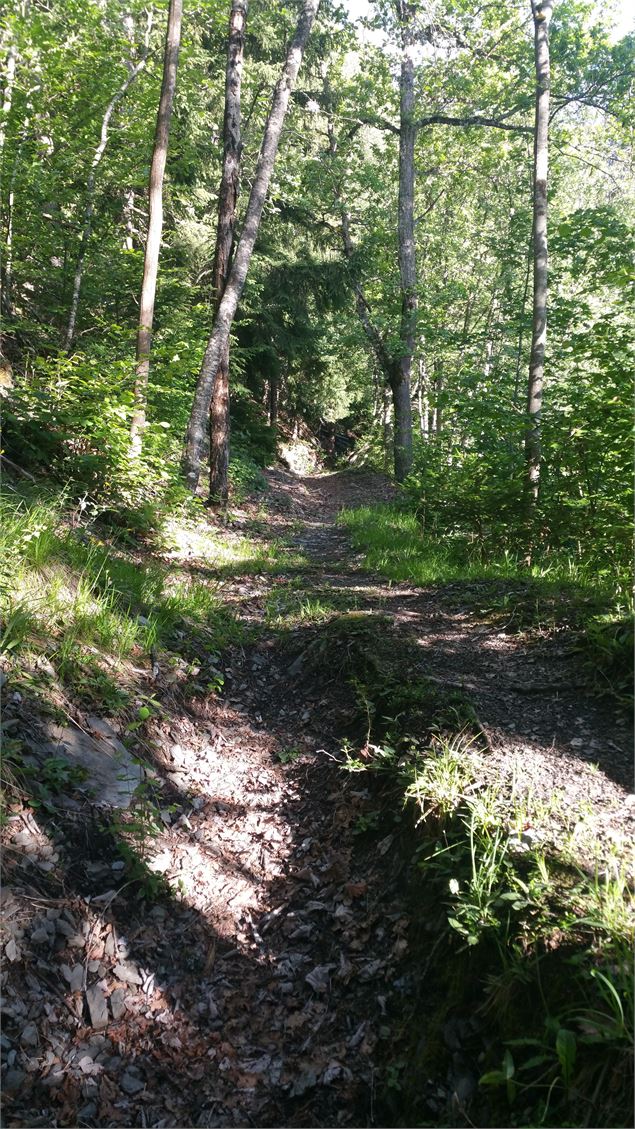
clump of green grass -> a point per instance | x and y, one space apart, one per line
396 545
88 607
556 587
539 946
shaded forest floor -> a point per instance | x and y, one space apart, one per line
254 946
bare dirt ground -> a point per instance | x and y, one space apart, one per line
266 990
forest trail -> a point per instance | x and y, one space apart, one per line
270 988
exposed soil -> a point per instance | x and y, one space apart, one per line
267 989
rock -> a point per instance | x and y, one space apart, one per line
305 1080
11 951
40 936
64 928
130 1083
111 774
118 1003
319 978
97 1006
128 973
29 1036
74 976
13 1080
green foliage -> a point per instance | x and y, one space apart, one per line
539 947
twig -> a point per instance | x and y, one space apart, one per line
19 469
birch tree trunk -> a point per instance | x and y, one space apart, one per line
7 95
227 203
195 438
133 73
6 275
407 248
541 10
155 224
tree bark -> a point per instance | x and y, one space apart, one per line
407 248
274 391
438 392
133 73
541 10
227 203
195 438
7 96
6 275
155 224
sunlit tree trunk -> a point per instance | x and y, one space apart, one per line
155 223
407 249
195 438
438 393
133 73
7 93
274 391
227 203
541 10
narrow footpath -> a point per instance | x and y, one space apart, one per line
268 989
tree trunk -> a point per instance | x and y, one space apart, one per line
195 439
541 10
274 388
6 277
7 96
128 218
227 203
133 73
155 224
407 248
438 392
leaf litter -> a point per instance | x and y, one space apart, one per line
260 982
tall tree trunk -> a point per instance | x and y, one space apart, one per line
227 203
133 73
195 438
438 392
128 218
541 10
7 94
521 325
407 248
155 223
274 392
6 276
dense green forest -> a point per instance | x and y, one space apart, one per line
316 356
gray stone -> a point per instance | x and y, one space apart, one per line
128 973
97 1006
13 1080
74 976
40 936
29 1036
118 1003
111 774
130 1084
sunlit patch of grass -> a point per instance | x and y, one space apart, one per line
222 553
540 943
88 607
290 606
396 545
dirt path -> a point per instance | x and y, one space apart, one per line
268 991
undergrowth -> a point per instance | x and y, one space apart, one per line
531 942
557 587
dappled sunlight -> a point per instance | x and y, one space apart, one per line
246 935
